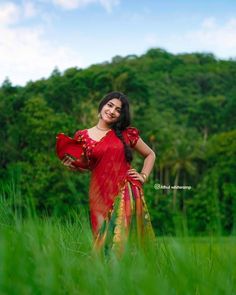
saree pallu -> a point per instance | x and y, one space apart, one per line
127 223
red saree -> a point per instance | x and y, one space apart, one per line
116 201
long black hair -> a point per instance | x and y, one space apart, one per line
123 121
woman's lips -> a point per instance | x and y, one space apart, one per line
109 116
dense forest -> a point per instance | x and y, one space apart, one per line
184 106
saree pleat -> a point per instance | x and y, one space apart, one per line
127 222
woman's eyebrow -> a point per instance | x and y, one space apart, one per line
115 105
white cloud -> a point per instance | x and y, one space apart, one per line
29 9
108 4
74 4
209 23
26 55
220 39
25 52
9 13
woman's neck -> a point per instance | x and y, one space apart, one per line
103 125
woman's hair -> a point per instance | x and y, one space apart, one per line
123 121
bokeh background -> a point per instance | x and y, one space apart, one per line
176 62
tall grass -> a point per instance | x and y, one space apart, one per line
51 256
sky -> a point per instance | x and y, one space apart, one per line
37 36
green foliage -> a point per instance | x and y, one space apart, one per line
52 255
184 106
214 202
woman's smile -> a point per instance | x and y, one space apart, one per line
110 116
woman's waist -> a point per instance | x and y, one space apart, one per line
128 178
103 178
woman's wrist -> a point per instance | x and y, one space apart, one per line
144 176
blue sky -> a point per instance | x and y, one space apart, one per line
37 36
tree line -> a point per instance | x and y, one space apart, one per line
184 106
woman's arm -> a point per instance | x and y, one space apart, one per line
144 150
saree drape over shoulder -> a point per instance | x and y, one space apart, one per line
117 206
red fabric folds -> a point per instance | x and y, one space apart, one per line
106 160
66 145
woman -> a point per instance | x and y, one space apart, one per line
117 207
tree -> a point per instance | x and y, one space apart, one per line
205 115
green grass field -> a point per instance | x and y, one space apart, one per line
53 256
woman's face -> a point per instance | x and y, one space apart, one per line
111 111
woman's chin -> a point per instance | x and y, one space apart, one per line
108 120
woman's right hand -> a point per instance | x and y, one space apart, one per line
67 161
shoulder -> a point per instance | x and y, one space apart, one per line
132 134
132 131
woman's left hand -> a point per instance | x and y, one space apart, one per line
135 175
